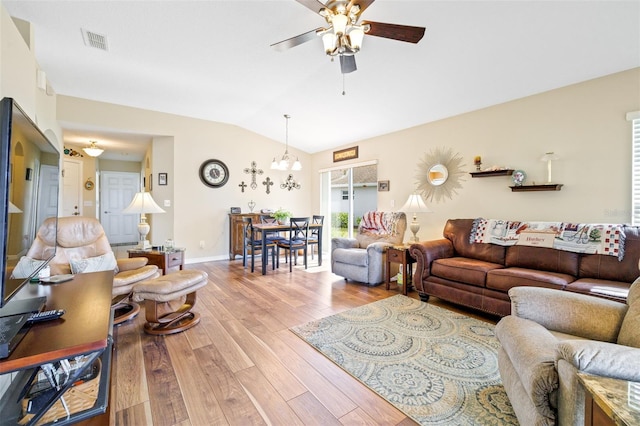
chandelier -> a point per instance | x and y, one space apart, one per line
93 150
285 161
344 36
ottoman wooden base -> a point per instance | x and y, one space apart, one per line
156 293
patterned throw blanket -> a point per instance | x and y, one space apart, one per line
379 223
576 237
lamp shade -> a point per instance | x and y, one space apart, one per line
415 204
143 203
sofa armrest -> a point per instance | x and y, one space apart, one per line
531 350
602 358
580 315
426 252
343 243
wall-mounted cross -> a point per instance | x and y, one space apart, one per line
268 183
253 171
290 183
242 186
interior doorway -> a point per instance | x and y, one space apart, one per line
72 192
116 192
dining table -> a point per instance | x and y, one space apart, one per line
273 228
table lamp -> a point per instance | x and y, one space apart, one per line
142 204
414 205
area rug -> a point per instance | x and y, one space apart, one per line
436 366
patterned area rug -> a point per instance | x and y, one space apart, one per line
436 366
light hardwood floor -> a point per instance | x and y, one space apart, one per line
241 365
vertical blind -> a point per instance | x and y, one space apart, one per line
635 167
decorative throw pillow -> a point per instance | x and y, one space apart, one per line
26 266
106 262
630 330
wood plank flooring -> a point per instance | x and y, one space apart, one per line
241 365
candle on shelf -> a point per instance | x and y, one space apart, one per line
478 162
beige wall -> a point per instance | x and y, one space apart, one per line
197 212
584 124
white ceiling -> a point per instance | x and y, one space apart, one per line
212 60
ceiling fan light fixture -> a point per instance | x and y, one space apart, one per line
329 42
339 23
356 36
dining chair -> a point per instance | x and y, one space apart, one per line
274 235
296 240
252 243
314 233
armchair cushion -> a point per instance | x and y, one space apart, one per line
131 263
568 312
26 266
105 262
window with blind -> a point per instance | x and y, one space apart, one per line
635 167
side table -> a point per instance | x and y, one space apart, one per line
164 260
400 254
610 401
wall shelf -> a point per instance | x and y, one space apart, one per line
547 187
491 173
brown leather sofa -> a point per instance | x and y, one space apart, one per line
480 275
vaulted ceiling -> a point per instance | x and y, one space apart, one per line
212 60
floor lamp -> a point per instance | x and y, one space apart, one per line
415 205
142 204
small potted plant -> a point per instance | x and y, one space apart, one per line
281 215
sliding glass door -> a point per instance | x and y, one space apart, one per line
347 193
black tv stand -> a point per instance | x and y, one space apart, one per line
14 323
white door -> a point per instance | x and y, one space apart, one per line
48 201
116 192
72 188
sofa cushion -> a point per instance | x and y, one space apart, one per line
462 269
458 230
504 279
614 290
630 330
541 258
605 267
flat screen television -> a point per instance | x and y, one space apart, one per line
29 184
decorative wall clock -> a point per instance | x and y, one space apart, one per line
214 173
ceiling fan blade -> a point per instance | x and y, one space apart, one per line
314 5
362 3
294 41
396 32
347 63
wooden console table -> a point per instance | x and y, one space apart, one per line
164 260
85 329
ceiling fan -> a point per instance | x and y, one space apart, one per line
344 36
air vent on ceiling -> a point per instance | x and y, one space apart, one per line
96 40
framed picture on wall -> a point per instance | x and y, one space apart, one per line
162 178
383 185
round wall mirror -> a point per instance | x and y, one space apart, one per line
438 175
